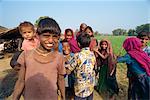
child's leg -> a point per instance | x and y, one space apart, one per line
90 97
79 98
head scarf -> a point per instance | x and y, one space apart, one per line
72 42
133 47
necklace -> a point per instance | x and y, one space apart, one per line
40 52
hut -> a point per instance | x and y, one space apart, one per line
12 39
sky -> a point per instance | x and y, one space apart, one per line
102 15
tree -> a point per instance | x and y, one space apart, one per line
37 21
131 32
96 33
143 28
119 31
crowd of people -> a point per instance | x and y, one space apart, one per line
50 67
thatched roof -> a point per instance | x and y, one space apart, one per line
10 34
3 29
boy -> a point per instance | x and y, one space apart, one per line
42 69
69 79
144 37
83 66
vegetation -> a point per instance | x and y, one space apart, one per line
132 32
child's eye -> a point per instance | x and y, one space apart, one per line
54 35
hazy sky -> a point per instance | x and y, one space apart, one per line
102 15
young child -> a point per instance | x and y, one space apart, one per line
138 64
69 36
107 70
42 69
93 42
27 31
145 37
30 42
83 66
69 79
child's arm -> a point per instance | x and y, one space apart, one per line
67 70
103 56
61 86
72 64
123 59
13 62
19 86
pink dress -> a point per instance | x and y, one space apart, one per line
29 44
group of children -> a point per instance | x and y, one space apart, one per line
47 64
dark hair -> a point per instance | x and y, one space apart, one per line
64 40
68 30
25 24
82 24
84 39
48 25
90 28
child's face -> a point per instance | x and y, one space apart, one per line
68 36
104 45
82 27
89 32
47 41
66 48
27 33
144 40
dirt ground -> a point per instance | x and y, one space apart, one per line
121 78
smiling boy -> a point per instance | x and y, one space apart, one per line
42 69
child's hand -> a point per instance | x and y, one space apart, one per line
68 71
67 66
114 61
95 49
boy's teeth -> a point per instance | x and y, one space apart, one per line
49 44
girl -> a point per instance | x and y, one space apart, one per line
69 36
138 64
107 70
27 31
93 42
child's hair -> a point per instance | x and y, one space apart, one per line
82 24
48 25
84 39
143 34
64 40
69 30
109 46
90 28
25 24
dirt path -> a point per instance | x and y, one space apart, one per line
4 66
121 78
